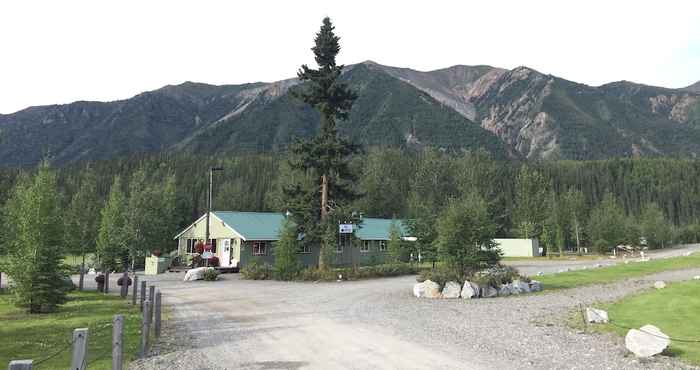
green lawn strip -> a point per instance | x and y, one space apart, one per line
36 336
571 279
674 310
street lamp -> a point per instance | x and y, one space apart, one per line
211 181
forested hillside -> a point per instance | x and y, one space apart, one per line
416 184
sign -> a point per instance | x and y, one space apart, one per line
345 228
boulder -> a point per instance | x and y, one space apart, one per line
451 290
470 290
195 274
535 286
92 271
659 285
489 292
427 289
647 341
696 277
594 315
520 287
540 273
505 290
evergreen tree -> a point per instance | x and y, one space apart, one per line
113 235
36 250
654 227
530 202
286 250
394 244
465 236
327 155
82 220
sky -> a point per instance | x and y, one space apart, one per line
54 52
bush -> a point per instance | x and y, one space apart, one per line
257 271
211 274
497 275
214 261
365 272
100 279
440 276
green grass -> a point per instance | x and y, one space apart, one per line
36 336
618 272
674 310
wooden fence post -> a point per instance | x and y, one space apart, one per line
20 365
80 341
125 284
117 342
136 281
145 328
106 282
143 294
156 324
152 298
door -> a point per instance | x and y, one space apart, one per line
226 253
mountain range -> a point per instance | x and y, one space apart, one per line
518 113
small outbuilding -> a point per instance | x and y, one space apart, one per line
512 247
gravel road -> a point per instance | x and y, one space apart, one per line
378 324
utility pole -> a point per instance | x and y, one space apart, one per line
211 182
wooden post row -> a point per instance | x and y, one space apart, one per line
143 294
125 284
152 298
145 328
133 297
156 324
106 282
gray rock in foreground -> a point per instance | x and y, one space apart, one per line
451 290
647 341
594 315
659 285
470 290
426 289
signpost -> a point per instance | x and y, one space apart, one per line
345 228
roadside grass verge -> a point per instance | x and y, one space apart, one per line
673 309
36 336
572 279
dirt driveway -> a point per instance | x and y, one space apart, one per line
378 324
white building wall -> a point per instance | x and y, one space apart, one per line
519 247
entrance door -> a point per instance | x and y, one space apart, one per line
226 253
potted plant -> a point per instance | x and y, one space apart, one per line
100 280
120 281
214 261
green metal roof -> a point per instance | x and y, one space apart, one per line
267 225
378 228
253 225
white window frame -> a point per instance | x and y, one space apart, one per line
382 246
305 249
257 247
365 247
189 245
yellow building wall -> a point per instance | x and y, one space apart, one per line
217 230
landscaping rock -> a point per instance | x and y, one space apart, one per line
540 273
505 290
535 286
470 290
659 285
426 289
489 292
195 274
451 290
594 315
520 287
696 277
647 341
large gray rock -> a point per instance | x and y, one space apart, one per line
659 285
489 292
696 277
535 286
647 341
195 274
597 316
470 290
520 287
426 289
505 290
451 290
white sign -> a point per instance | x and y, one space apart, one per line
345 228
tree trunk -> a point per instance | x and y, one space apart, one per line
578 239
324 197
82 274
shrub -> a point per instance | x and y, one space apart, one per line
257 271
497 275
214 261
440 276
211 274
100 279
364 272
120 281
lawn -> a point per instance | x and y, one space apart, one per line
37 336
621 271
674 310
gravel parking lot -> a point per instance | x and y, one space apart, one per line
378 324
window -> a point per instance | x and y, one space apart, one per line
382 245
213 245
364 248
305 249
190 245
259 249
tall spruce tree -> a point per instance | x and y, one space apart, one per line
287 265
82 220
35 243
113 236
327 155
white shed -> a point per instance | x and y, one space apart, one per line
519 247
